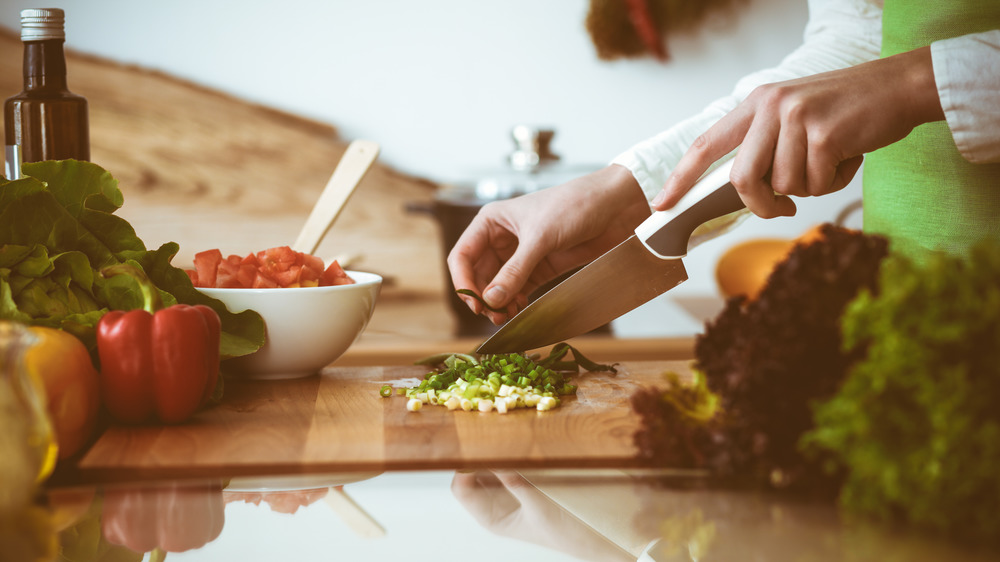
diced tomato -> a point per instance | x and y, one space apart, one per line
245 275
288 277
335 275
227 275
264 282
207 265
312 262
274 267
309 276
281 255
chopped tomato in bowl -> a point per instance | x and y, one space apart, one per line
279 267
312 314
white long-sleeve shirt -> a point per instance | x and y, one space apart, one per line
842 33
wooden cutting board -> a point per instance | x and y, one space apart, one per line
338 422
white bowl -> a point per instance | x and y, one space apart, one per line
307 328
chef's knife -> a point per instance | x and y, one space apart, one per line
632 273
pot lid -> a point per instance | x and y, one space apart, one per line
531 166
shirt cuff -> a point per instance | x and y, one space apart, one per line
967 74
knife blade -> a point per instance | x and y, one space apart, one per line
641 268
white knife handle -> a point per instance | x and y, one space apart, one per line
666 233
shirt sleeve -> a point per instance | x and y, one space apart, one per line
840 33
967 73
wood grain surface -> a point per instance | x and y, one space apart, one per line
337 422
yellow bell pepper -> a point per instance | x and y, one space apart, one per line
61 363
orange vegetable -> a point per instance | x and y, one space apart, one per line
744 268
63 365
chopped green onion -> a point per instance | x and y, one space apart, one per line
497 382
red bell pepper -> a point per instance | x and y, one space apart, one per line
157 363
171 517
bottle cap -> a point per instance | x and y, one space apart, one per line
42 24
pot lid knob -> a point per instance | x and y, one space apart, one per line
532 148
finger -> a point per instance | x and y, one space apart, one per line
478 493
788 171
821 171
846 171
469 260
751 171
514 274
525 492
467 485
827 172
720 139
501 315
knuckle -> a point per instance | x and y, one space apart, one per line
740 179
782 185
792 109
761 93
822 140
701 143
511 274
770 94
786 184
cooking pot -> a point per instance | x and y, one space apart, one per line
530 167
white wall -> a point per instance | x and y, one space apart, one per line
439 83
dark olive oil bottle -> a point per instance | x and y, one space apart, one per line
45 121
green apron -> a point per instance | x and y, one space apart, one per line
920 192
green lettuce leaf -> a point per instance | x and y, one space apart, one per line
58 230
915 427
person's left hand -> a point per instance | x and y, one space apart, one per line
506 503
513 246
807 137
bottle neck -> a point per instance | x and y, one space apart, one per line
44 65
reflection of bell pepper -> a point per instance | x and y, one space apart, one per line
157 363
172 517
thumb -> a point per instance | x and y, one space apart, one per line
512 277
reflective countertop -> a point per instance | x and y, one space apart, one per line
551 515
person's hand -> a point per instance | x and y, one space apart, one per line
515 245
507 504
807 137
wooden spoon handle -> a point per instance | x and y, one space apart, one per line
353 514
349 172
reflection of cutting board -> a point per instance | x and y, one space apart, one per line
338 422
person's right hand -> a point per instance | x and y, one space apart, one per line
806 137
514 246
